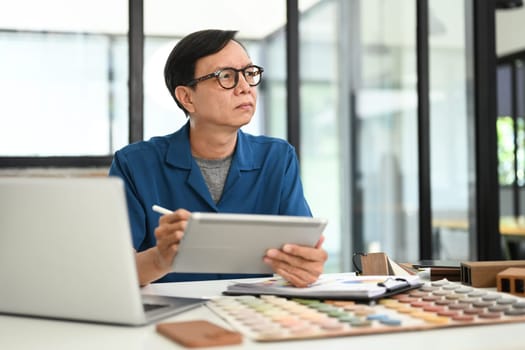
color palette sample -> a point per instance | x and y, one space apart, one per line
437 304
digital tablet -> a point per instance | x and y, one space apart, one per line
237 243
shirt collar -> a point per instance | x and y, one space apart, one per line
179 150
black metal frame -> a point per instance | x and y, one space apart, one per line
423 127
57 162
484 222
515 185
352 9
293 79
136 67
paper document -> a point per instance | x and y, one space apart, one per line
338 286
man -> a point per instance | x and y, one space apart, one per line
210 165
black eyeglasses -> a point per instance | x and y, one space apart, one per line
228 77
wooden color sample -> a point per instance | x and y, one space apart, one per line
200 333
375 264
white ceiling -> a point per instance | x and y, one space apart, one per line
63 15
254 19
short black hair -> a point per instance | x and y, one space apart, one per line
180 65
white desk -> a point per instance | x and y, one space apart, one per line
20 333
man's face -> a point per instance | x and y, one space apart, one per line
215 106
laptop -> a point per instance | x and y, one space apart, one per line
66 253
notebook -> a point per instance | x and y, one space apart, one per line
66 253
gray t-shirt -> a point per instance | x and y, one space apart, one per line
215 172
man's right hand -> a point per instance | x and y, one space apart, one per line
169 234
156 262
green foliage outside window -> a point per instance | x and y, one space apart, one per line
506 150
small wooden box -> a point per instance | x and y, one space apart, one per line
483 274
512 280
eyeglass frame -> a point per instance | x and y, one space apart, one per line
216 74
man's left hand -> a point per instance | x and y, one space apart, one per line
299 265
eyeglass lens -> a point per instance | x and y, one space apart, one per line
228 77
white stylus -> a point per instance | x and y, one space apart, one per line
160 209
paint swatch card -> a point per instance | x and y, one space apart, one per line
335 286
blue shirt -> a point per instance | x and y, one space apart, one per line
263 179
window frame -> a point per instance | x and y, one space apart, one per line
136 102
136 94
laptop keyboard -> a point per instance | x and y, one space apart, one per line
149 307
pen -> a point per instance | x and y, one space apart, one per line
160 209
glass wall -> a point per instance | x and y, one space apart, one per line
450 96
359 125
64 78
321 157
65 83
385 170
511 147
510 129
511 132
510 47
